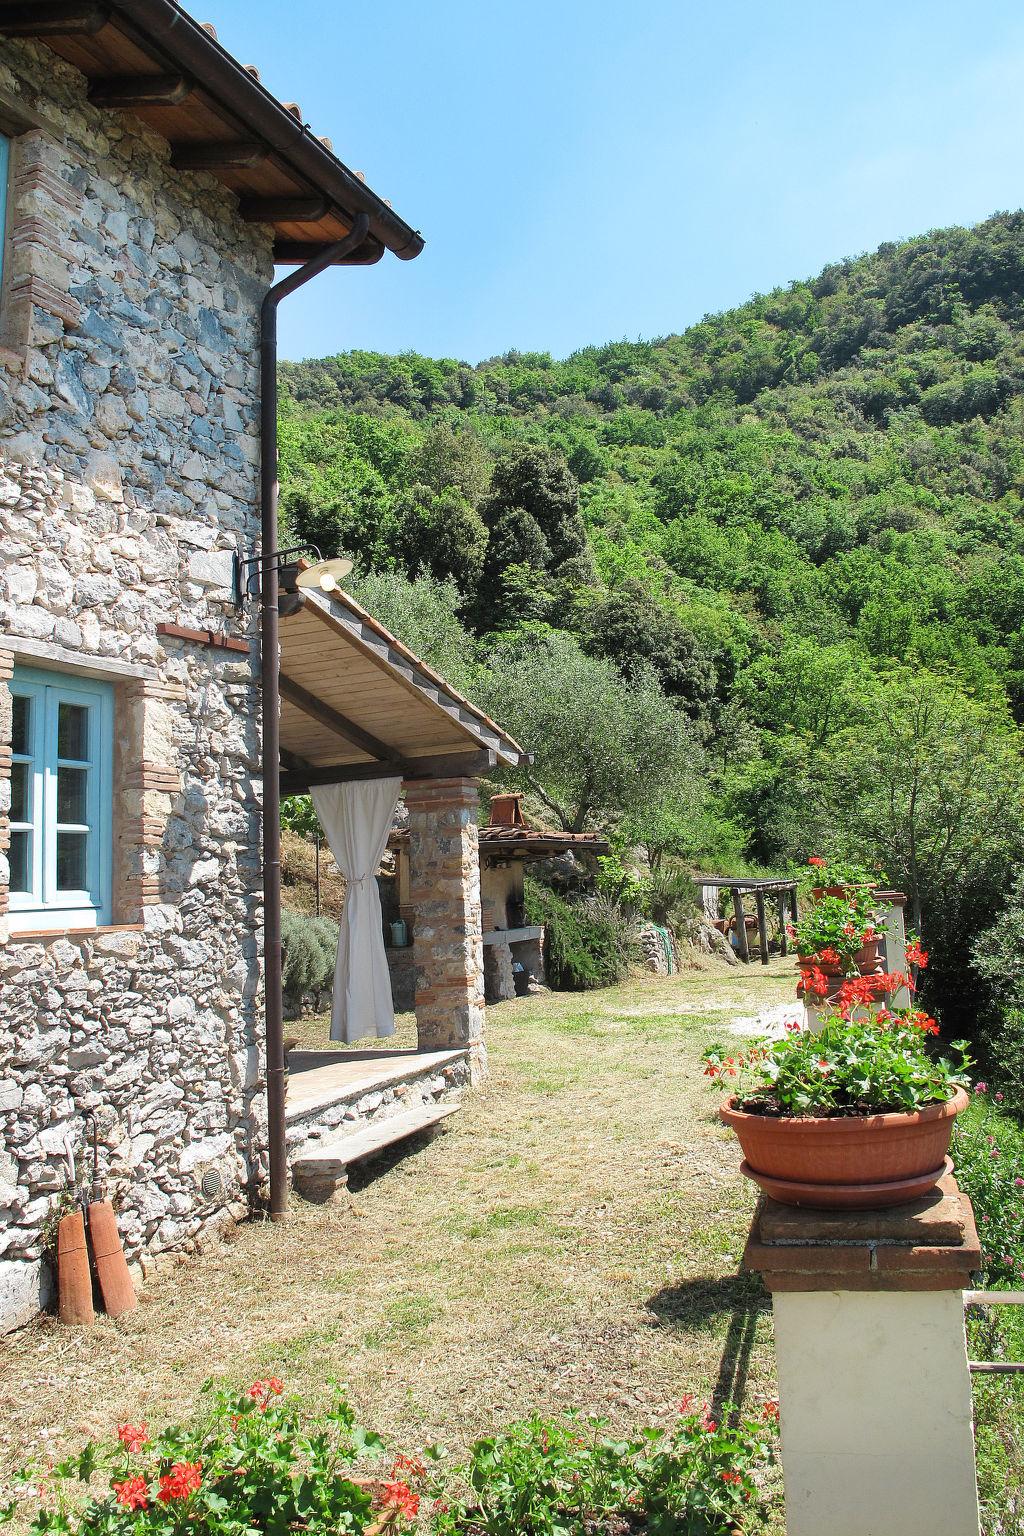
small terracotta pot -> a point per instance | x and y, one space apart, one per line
840 1158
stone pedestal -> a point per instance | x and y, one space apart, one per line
444 890
874 1387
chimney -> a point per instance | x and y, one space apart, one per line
507 811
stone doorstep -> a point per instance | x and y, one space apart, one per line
379 1075
931 1244
323 1178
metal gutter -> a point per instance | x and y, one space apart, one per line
217 72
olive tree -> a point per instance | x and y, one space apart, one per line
603 748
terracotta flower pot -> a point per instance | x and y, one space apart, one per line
847 1161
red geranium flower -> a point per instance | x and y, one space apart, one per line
731 1477
133 1436
916 955
133 1493
817 862
398 1495
181 1481
262 1391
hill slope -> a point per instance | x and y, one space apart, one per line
842 460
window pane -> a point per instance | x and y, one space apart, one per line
19 791
20 860
71 861
73 731
72 786
20 735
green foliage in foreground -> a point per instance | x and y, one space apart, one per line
566 1476
988 1149
777 562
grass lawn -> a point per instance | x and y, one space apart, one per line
573 1239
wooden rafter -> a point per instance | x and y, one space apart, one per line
296 210
52 18
340 724
232 155
123 92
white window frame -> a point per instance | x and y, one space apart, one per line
44 905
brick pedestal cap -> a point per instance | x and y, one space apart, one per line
930 1245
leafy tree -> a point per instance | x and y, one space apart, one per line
602 748
439 533
537 482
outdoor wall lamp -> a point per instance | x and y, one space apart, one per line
323 575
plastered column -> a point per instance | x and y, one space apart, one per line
874 1387
444 890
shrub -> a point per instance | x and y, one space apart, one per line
588 943
988 1150
248 1462
566 1477
310 947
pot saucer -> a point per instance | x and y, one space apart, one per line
848 1197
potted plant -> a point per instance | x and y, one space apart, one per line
857 1113
838 877
840 934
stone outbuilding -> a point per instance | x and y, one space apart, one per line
150 186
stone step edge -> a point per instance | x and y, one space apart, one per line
370 1084
333 1156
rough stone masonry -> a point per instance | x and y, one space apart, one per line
128 469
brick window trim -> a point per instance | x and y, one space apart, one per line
41 210
144 792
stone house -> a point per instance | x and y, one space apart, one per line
148 185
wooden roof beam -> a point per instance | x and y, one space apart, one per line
340 724
293 210
52 18
125 92
229 155
460 765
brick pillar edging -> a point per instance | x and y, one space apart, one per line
444 890
6 673
874 1387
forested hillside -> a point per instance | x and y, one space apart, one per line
749 591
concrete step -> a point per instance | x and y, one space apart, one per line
320 1173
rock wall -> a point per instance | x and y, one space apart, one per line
129 460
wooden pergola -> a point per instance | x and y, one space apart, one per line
783 892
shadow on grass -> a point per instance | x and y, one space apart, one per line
700 1303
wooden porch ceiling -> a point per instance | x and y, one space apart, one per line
356 703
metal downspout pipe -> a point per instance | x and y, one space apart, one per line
271 699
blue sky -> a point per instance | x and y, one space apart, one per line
585 171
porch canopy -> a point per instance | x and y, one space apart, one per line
360 714
358 704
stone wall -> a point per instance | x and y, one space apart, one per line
129 457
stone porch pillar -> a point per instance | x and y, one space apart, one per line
444 890
874 1387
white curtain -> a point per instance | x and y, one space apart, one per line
357 819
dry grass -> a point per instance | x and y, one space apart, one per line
573 1240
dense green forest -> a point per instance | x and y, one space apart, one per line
749 592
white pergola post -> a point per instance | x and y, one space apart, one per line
874 1387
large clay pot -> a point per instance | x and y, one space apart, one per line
847 1161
